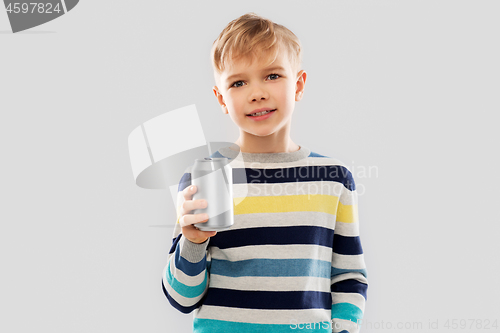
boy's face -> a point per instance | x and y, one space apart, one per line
244 88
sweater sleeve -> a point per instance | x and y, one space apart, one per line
185 277
349 282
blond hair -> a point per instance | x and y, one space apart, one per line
250 34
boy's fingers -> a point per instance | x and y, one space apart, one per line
189 205
190 219
189 191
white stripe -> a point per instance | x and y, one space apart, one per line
258 316
349 197
353 275
318 219
273 252
254 189
353 298
348 261
347 229
271 283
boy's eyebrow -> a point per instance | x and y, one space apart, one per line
264 70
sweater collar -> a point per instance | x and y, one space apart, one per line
302 153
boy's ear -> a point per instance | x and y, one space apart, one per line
301 82
220 98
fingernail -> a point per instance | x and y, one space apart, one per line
192 188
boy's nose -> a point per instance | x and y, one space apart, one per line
258 94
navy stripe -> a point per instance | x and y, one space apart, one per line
174 243
349 286
349 182
176 305
347 245
271 300
309 173
274 236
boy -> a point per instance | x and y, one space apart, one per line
291 262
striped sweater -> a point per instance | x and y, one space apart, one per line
292 261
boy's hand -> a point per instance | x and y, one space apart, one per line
187 220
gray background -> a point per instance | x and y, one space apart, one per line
409 88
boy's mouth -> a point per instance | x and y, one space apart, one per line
261 113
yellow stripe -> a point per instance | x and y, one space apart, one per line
347 213
287 203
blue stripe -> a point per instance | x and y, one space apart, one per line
349 286
271 300
185 290
189 268
347 245
273 236
338 271
309 173
272 267
220 326
176 305
347 311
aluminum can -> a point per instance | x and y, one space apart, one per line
213 179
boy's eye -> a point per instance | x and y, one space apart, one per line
277 75
235 84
